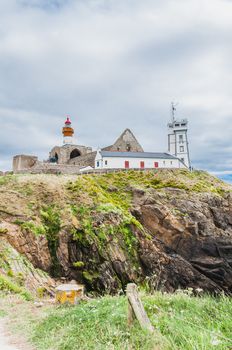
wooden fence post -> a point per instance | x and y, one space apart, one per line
136 309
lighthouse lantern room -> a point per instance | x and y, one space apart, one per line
68 132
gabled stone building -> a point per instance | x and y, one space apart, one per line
126 142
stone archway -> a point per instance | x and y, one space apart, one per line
56 157
75 153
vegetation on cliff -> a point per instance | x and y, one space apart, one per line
105 229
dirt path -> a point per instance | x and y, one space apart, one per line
9 341
16 320
5 339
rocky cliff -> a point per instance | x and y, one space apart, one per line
163 229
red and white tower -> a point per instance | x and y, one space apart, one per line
68 132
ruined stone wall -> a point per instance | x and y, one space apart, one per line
31 165
85 160
50 168
64 153
22 162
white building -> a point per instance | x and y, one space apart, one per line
136 160
178 140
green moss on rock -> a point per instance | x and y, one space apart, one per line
7 285
79 264
50 217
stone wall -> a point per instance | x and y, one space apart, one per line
85 160
31 165
50 168
22 162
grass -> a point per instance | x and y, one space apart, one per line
100 324
181 321
4 180
2 313
196 181
189 322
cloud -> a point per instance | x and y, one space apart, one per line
44 4
116 64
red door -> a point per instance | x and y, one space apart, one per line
142 165
127 164
156 164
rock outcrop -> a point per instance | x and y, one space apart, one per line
163 229
196 227
18 275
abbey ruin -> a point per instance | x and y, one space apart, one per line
124 153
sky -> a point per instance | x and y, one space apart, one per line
116 64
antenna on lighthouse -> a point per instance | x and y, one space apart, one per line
173 110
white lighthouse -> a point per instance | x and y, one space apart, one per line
178 138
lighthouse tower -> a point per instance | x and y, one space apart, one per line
68 132
178 138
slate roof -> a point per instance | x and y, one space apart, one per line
137 155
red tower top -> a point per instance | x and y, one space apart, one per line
68 131
68 121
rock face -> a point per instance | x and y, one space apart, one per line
165 230
34 248
198 228
17 270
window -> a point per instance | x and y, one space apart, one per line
106 162
171 162
97 164
156 164
182 159
181 138
142 165
177 125
181 148
128 147
127 164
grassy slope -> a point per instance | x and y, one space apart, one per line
182 322
185 323
24 196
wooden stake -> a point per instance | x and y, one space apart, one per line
136 309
